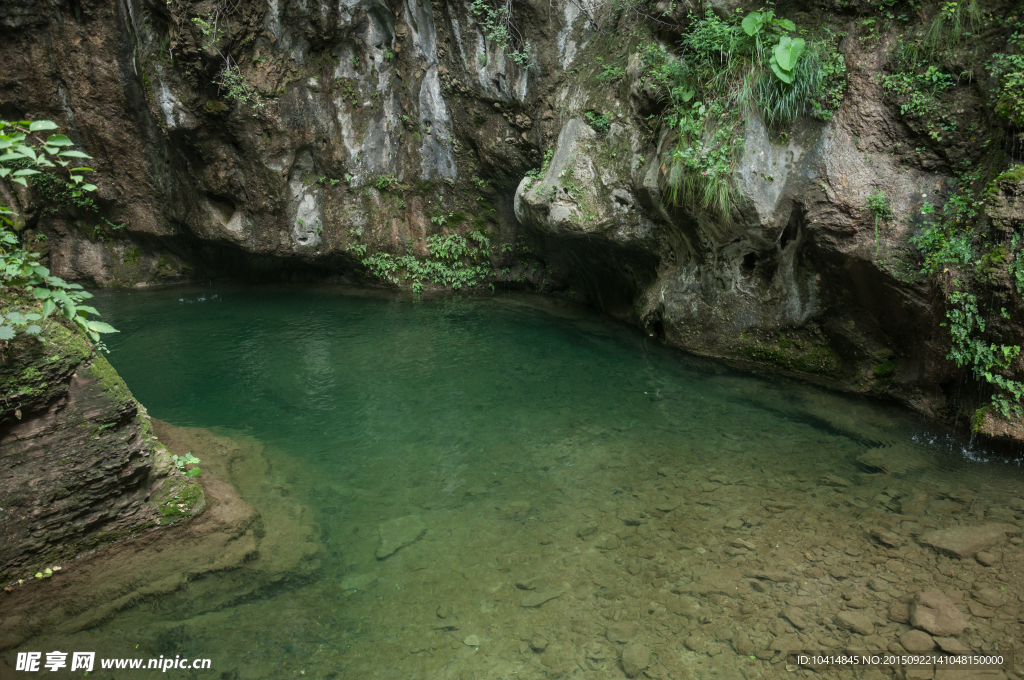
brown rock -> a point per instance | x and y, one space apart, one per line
695 643
635 658
899 612
980 610
877 585
856 622
961 541
539 597
886 537
933 612
952 645
797 617
986 559
621 631
742 644
917 641
989 597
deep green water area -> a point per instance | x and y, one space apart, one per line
562 492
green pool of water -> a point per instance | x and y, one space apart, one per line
536 451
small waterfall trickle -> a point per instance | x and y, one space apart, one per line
1013 145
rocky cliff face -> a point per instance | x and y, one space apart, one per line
81 465
300 138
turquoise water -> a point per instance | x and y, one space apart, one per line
524 440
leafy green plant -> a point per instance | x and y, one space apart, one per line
1008 70
24 154
237 90
728 70
599 122
454 261
386 182
609 73
187 464
945 242
500 28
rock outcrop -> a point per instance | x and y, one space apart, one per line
283 140
82 467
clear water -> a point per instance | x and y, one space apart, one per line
529 441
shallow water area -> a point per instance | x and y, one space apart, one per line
501 487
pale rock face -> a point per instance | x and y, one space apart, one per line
436 152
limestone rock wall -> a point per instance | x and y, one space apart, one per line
367 126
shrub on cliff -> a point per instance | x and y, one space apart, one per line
726 71
24 153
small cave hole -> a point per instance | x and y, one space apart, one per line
749 262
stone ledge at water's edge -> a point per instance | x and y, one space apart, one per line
231 537
82 467
382 124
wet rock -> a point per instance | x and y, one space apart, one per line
444 611
900 613
734 523
358 582
586 531
800 601
917 641
951 645
774 575
886 537
516 510
989 597
471 641
666 506
612 543
684 606
833 480
962 541
797 617
858 602
635 658
856 622
877 585
621 631
981 611
742 644
532 583
538 643
986 559
399 533
539 597
740 543
696 643
932 611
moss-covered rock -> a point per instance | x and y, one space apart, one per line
78 451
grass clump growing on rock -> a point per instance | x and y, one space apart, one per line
726 71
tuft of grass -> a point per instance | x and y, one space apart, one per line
956 22
727 71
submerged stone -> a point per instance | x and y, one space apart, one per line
966 541
537 598
932 611
399 533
